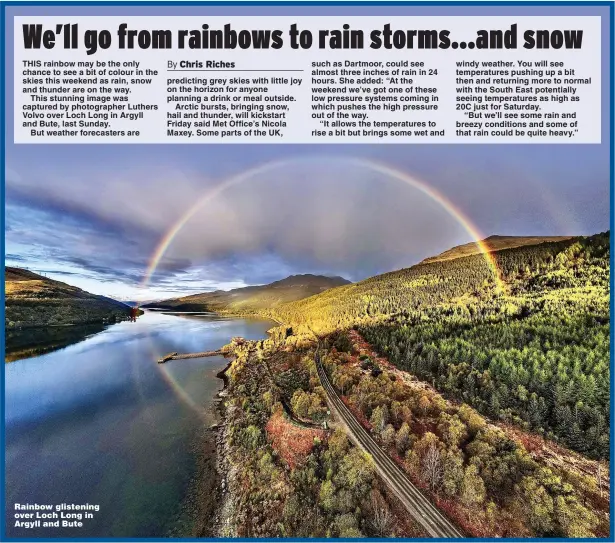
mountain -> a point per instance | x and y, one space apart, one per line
133 303
493 243
442 281
33 300
250 299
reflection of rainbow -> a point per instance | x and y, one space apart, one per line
166 372
180 392
170 379
387 171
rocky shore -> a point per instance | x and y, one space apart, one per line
212 502
222 523
206 511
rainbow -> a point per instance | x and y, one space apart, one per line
372 165
166 372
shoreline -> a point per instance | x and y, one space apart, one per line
200 515
222 514
210 501
206 499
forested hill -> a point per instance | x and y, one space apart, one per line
535 353
33 300
250 299
493 243
459 283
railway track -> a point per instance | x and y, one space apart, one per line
422 510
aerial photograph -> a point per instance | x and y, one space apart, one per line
307 341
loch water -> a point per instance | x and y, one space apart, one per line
99 422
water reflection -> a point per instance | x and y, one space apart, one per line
98 422
36 341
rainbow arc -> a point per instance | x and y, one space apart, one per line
384 169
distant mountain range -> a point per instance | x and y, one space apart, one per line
299 287
248 299
33 300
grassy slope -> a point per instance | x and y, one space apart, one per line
33 300
249 299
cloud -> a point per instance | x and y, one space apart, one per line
54 272
331 217
15 258
326 218
324 215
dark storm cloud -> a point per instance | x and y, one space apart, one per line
253 270
174 265
105 272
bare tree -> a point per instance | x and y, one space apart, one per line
382 518
361 396
432 467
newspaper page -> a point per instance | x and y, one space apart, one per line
307 270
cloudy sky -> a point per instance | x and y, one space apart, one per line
93 215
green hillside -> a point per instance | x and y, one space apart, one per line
251 299
465 281
493 243
535 353
34 301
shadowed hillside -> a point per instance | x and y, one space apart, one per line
249 299
33 300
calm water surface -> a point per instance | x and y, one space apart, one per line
100 422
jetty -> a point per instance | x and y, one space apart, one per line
235 342
175 356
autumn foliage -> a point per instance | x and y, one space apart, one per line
483 476
294 443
